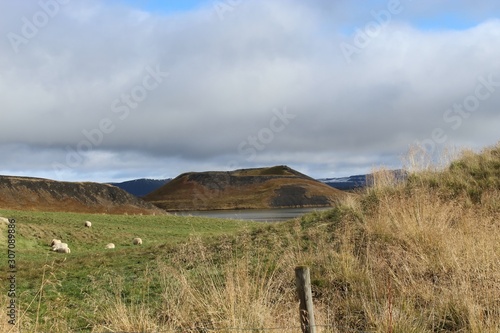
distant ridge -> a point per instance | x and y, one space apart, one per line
141 187
38 194
346 183
272 187
360 181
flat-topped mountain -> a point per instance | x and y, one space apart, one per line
26 193
273 187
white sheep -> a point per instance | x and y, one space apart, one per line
57 246
55 241
62 250
110 246
137 241
88 224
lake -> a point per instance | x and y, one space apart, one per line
261 215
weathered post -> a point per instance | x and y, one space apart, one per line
303 283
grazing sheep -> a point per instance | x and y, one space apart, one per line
88 224
55 241
59 246
62 250
110 246
137 241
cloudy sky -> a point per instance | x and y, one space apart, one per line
116 90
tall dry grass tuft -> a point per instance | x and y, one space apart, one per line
201 289
244 295
438 248
433 250
124 306
465 176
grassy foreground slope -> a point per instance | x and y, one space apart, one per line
419 256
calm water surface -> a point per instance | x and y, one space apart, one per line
262 215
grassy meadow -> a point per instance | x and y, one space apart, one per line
416 256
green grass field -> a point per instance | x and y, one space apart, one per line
65 277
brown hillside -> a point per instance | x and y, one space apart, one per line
274 187
24 193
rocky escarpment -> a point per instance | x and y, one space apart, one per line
25 193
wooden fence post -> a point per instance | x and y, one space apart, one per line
303 283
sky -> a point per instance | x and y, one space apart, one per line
123 89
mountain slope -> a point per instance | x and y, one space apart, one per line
274 187
25 193
141 187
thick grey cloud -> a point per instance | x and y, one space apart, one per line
100 91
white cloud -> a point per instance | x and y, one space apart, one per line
225 78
